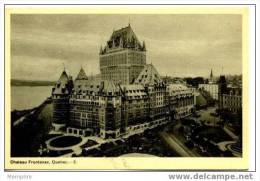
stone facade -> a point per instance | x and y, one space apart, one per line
181 100
229 97
232 102
123 57
211 88
60 96
112 110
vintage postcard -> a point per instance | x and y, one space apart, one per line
126 87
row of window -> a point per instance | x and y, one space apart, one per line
133 58
110 60
232 103
84 108
185 102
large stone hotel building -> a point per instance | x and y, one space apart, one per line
130 98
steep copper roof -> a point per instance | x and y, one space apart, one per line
61 86
178 89
133 91
82 75
126 33
109 87
148 75
64 77
123 38
91 87
86 87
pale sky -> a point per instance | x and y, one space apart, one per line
177 45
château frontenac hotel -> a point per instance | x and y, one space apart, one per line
130 98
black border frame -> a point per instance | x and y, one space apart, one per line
131 170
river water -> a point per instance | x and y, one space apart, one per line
26 97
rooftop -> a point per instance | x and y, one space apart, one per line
178 88
61 86
149 75
82 75
123 38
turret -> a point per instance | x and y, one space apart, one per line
80 80
121 43
144 47
111 109
60 97
81 75
222 84
222 89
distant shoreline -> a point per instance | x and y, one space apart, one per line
15 82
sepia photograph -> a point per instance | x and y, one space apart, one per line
127 85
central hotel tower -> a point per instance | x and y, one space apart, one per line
123 57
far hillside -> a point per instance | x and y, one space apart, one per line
16 82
